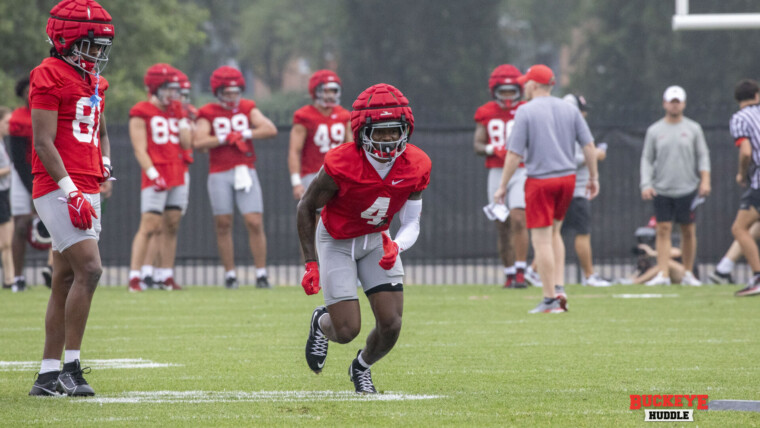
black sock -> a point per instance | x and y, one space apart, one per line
755 273
548 300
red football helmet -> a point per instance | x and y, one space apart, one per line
321 80
227 77
74 27
38 236
162 80
382 106
505 77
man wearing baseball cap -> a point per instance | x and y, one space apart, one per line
544 136
675 174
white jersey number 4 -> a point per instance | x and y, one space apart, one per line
376 212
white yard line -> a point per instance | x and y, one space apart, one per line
152 397
643 296
117 363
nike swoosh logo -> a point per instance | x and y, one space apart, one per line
321 365
395 182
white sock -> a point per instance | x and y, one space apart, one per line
361 362
134 274
162 274
69 356
19 278
261 272
168 273
510 270
50 366
521 265
725 265
230 274
147 270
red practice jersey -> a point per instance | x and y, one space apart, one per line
164 150
20 125
322 134
56 85
223 121
365 203
498 122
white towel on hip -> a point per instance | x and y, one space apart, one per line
243 179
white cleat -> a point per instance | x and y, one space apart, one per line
690 279
594 280
658 280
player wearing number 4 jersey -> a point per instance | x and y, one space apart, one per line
494 120
317 128
159 133
362 187
228 128
69 161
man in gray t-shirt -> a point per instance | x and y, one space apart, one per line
675 173
544 135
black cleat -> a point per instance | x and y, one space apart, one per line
361 377
316 343
148 283
47 275
7 286
19 286
72 383
231 282
263 282
721 278
45 385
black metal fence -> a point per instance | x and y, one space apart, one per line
457 243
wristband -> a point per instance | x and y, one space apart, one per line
184 124
152 173
106 161
67 185
489 149
295 179
247 134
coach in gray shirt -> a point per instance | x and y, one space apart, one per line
675 173
544 135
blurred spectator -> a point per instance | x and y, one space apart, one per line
578 218
646 257
675 173
6 225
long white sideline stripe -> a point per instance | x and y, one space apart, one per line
117 363
643 296
152 397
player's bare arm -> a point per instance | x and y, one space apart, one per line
511 164
45 126
185 134
138 136
589 152
480 140
261 126
349 135
745 156
203 138
105 143
321 190
297 141
704 183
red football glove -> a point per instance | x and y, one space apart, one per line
159 184
390 250
310 281
80 210
175 109
107 172
187 156
235 138
500 152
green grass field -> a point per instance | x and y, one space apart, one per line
467 356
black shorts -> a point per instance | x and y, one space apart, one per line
5 206
674 209
750 198
578 217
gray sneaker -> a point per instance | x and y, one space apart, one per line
556 306
45 385
72 383
559 290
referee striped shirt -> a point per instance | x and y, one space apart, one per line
745 123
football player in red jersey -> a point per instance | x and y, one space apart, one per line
228 129
493 120
362 187
317 128
159 133
69 161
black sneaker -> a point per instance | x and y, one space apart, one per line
231 282
316 344
19 286
47 275
45 385
263 282
72 383
721 278
361 377
7 286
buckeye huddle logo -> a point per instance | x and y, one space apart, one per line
667 407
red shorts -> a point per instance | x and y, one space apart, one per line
547 199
